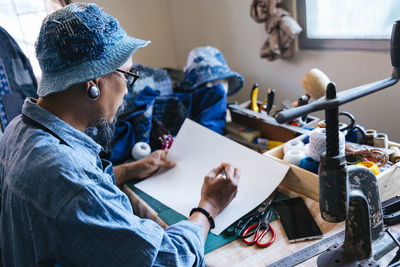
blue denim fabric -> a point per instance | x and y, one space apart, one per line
18 68
60 204
16 74
79 43
207 64
4 90
206 106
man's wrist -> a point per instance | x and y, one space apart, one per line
209 217
120 174
209 207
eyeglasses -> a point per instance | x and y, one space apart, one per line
130 77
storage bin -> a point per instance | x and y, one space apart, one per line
306 182
299 179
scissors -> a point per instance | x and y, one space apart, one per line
255 217
259 230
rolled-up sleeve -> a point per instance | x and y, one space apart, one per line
98 228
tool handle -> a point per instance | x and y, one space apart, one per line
395 45
270 100
391 210
356 92
341 98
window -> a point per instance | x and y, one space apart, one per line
343 24
22 19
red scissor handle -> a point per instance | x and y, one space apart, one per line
258 236
248 229
272 239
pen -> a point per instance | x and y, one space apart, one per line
223 174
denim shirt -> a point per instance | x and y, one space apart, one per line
60 204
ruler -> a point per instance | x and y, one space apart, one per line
310 251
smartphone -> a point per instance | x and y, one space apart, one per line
297 220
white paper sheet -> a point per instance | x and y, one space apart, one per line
196 150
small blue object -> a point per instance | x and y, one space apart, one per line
356 135
309 164
308 127
306 139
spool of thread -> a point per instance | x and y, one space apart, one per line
294 144
306 150
342 126
395 156
314 83
294 156
381 140
140 150
369 137
372 166
309 164
318 143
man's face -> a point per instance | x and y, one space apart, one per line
113 88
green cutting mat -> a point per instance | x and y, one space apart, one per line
170 216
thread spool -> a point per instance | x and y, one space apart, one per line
309 164
372 166
314 83
294 156
306 150
395 156
293 144
342 126
369 137
318 143
381 140
140 150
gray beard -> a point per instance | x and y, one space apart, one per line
102 132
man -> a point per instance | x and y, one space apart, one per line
60 202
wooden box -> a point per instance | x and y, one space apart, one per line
307 183
299 179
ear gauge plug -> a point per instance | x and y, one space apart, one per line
93 92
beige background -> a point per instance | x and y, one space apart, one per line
177 26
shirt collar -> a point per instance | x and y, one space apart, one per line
60 128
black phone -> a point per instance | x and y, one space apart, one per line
297 220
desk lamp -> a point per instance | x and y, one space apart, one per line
350 193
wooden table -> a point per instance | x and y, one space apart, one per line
237 253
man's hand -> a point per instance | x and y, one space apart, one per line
217 192
142 168
150 164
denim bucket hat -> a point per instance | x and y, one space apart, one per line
78 43
207 64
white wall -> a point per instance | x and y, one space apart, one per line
177 26
227 25
148 20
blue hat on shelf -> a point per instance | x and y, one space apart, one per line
78 43
207 64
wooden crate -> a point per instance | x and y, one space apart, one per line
307 183
299 179
277 132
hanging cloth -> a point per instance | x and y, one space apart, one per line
280 27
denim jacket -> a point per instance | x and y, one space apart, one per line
60 204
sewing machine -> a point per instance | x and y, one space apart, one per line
350 193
